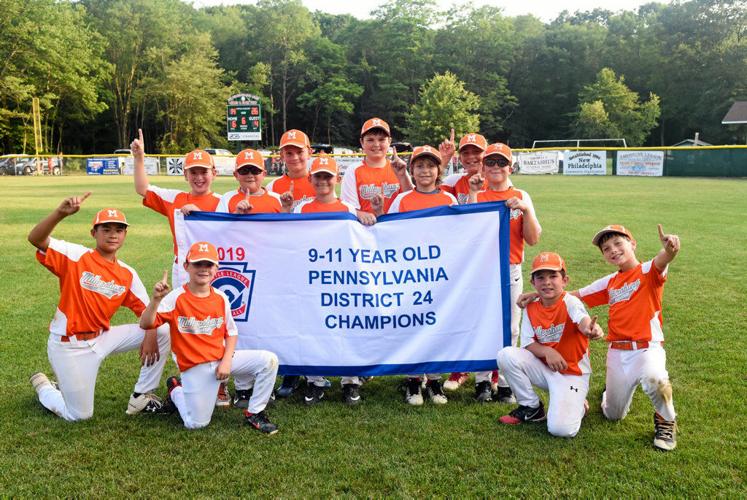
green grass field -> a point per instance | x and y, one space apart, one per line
383 447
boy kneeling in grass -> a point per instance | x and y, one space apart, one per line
203 340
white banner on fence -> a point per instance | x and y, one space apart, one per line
585 163
127 165
539 162
333 297
645 163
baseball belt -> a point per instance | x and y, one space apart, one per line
81 336
629 345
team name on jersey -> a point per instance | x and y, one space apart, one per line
624 292
199 326
551 334
462 198
299 201
368 191
94 283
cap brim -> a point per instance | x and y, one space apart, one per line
294 143
472 144
203 260
325 170
376 128
426 155
548 268
496 153
109 221
247 164
603 232
193 165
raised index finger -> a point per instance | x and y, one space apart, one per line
140 134
165 276
452 135
593 322
290 188
83 198
661 232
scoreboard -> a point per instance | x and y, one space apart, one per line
244 118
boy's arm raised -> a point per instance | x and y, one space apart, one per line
39 235
670 248
160 290
138 153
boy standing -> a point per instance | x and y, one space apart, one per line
250 197
377 175
295 151
554 356
471 148
203 339
524 227
93 285
636 339
324 177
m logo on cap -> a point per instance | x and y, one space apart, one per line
291 134
472 138
112 213
197 155
323 161
203 247
376 122
544 257
248 155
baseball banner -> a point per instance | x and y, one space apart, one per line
539 162
424 291
643 163
585 163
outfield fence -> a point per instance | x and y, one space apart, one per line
700 161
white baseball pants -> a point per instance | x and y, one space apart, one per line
565 410
627 369
76 366
517 287
195 399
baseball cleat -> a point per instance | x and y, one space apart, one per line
413 392
455 381
665 433
241 398
483 392
435 393
522 414
224 398
39 380
314 394
144 403
351 394
290 383
505 395
260 422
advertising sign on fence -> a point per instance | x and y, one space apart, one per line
540 162
102 166
175 165
645 163
585 163
127 165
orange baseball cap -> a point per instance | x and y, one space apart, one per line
499 149
198 158
203 251
473 140
612 228
110 215
548 261
373 123
249 157
425 151
324 163
296 138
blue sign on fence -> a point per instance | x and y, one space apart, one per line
102 166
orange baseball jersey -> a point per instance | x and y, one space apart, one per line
91 288
361 183
557 327
168 201
314 206
198 325
415 200
302 188
265 202
634 298
458 185
517 218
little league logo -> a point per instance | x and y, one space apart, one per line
237 282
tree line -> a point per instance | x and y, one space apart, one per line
103 68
